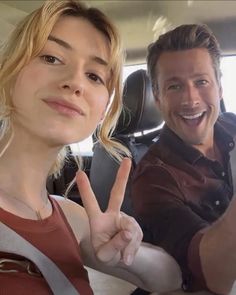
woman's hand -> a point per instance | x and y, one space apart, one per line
115 236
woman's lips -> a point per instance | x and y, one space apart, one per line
64 107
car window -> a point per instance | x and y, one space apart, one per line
228 68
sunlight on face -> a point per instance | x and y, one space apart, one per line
61 95
189 95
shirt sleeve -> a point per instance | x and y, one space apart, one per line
194 261
168 221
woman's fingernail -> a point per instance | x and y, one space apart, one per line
128 235
128 259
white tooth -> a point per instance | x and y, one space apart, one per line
191 117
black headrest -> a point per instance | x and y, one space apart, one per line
140 111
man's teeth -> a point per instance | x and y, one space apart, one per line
191 117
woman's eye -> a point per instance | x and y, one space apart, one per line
95 78
49 59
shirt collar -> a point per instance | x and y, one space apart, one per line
223 138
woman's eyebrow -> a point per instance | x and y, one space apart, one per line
60 42
66 45
99 60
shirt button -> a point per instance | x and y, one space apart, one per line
217 202
223 173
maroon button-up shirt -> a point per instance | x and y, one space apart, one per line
177 193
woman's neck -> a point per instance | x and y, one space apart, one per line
24 169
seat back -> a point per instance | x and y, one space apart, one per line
140 115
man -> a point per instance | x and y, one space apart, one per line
182 189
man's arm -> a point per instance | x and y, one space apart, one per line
168 221
218 252
208 251
212 258
175 227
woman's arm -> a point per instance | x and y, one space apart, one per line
152 269
111 242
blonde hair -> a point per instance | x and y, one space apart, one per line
26 42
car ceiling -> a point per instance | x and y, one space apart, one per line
140 22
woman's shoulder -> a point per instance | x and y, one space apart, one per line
75 215
67 203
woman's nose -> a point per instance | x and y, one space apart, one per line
73 82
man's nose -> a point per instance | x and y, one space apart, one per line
191 96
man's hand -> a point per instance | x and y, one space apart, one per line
115 236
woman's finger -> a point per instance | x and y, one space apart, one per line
111 251
130 225
118 189
87 195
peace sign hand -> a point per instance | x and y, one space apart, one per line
115 236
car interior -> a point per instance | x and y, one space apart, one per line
139 22
140 116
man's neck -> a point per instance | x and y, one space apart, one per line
211 151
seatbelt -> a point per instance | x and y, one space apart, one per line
233 167
233 175
12 242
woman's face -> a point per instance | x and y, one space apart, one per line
61 95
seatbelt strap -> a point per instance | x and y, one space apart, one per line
233 175
12 242
233 168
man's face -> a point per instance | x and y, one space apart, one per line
188 94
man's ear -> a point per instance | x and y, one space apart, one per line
220 91
158 104
156 97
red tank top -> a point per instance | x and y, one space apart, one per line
54 237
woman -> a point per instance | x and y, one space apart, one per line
58 72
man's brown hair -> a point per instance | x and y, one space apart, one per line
182 38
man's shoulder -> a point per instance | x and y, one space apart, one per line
161 150
227 118
228 121
154 161
150 156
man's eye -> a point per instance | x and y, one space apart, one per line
95 78
49 59
201 82
174 87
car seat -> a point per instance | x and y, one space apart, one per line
138 127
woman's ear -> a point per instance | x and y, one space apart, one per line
103 115
105 110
